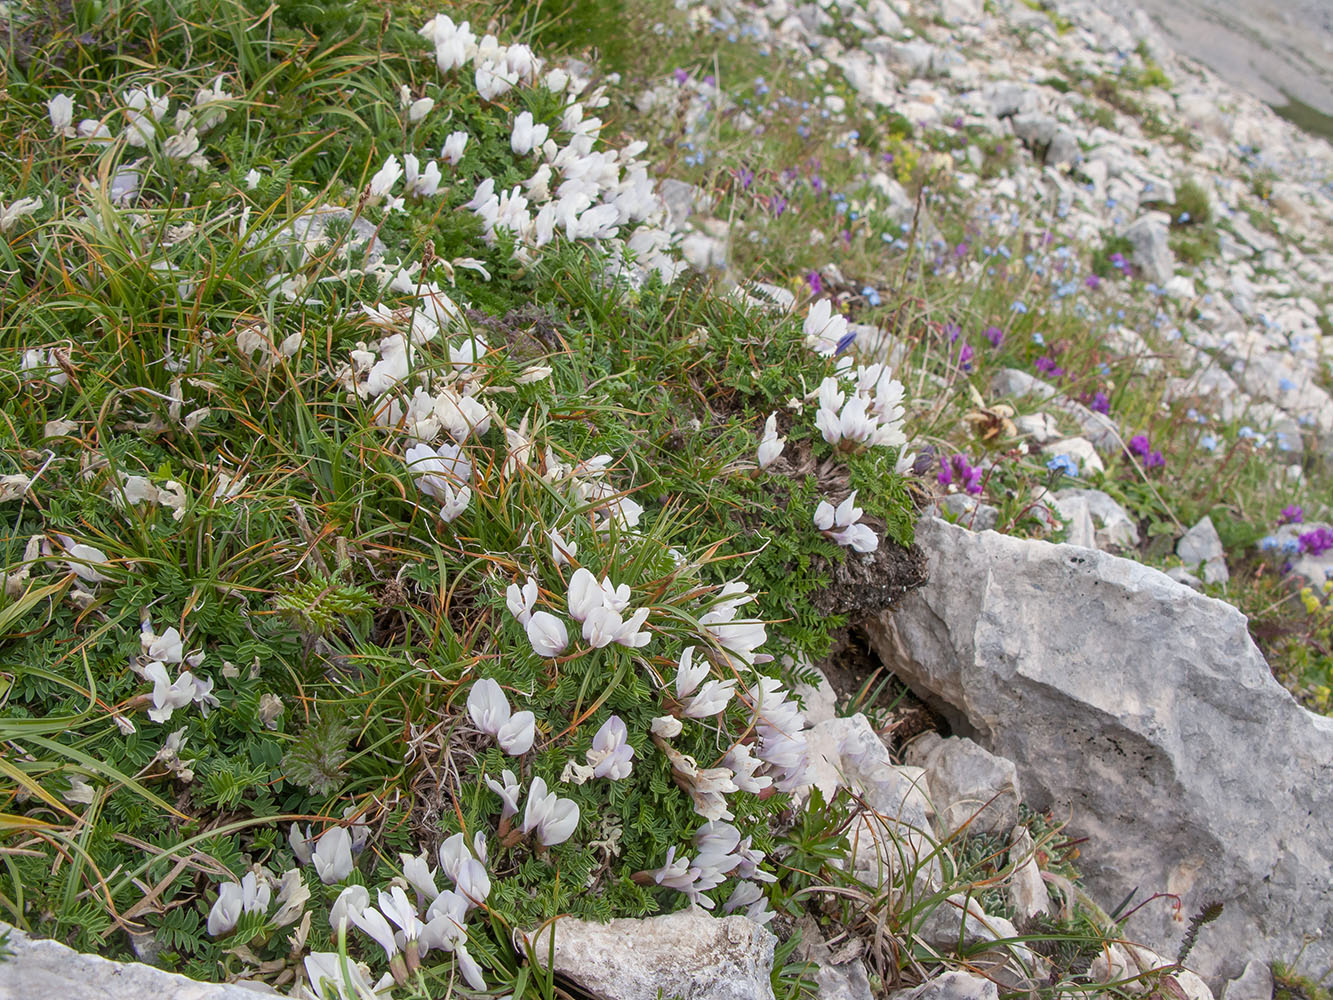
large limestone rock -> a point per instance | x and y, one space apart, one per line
688 954
40 967
968 785
1143 710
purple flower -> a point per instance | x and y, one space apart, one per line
960 250
1138 445
680 75
1047 366
1100 403
1316 542
959 471
994 334
1154 460
965 356
815 282
953 331
746 176
777 205
1092 281
1292 515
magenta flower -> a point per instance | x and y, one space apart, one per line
959 471
1291 515
1316 542
1047 366
994 334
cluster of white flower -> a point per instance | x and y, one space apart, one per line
871 414
580 192
720 853
843 524
599 607
406 931
169 695
145 112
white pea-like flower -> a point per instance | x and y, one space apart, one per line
332 856
509 790
585 595
547 633
770 445
611 755
547 815
226 909
521 600
453 147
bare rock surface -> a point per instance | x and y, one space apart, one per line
40 967
1143 710
689 954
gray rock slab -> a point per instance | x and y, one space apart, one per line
689 954
951 986
42 968
1144 711
968 785
1152 251
1114 525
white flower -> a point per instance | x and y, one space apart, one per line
824 329
462 416
386 177
326 967
453 852
689 674
611 755
526 135
556 80
585 595
82 560
517 735
454 43
844 518
300 843
561 550
438 468
332 856
454 502
373 923
168 696
547 634
420 108
492 80
668 727
453 147
166 647
602 626
352 899
741 638
550 817
473 881
11 213
521 601
395 905
61 110
508 791
422 183
630 634
226 909
711 700
252 179
420 875
770 445
743 764
487 705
